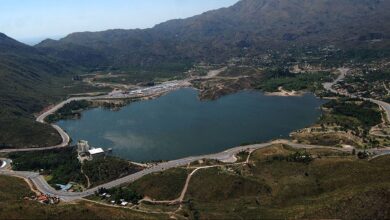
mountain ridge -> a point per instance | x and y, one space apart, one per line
251 25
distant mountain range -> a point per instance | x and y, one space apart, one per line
250 26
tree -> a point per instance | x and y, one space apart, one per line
362 155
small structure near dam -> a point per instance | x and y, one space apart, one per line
85 152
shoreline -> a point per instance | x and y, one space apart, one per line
227 156
158 91
285 93
66 139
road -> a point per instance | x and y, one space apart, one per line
343 73
139 93
44 187
329 85
227 155
385 106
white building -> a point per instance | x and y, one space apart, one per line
85 152
96 152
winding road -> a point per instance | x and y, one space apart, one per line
343 73
225 156
139 93
44 187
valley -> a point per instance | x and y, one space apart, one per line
266 109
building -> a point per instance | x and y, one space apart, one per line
85 152
96 152
83 147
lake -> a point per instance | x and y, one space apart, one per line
178 124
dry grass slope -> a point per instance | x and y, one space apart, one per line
13 206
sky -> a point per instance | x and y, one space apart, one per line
30 21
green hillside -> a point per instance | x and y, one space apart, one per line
29 81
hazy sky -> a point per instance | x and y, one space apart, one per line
32 20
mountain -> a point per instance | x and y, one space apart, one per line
27 81
248 27
32 77
22 69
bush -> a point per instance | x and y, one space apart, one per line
363 155
300 157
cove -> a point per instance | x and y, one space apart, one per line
178 124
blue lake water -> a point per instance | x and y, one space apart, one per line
179 124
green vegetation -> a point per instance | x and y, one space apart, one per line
298 156
13 206
141 76
24 132
28 82
69 110
333 185
61 164
352 114
344 122
102 170
369 82
119 193
289 81
165 185
242 156
334 139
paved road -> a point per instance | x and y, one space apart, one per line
41 119
343 73
329 86
385 106
144 92
227 155
44 187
